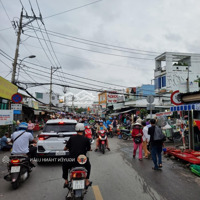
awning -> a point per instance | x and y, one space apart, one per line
127 111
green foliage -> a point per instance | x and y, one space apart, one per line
80 110
143 113
3 130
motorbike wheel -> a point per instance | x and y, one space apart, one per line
111 134
15 184
124 137
103 148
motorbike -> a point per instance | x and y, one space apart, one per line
110 131
102 140
88 134
19 169
126 134
77 188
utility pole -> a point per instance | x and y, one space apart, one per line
20 27
50 93
17 48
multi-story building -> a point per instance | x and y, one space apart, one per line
145 90
44 97
177 71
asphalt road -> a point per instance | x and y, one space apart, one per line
115 175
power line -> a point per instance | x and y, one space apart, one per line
48 37
106 46
94 51
73 9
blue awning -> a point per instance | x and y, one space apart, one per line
185 107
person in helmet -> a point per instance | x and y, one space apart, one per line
77 145
21 139
99 128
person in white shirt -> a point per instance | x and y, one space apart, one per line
145 139
21 139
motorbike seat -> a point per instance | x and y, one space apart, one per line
78 169
18 156
125 130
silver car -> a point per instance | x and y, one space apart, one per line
55 133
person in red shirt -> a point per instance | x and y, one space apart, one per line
137 134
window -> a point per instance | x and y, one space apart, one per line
164 81
39 95
159 82
53 98
56 128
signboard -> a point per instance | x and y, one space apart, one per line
112 98
185 107
150 99
120 98
16 98
6 117
164 114
7 89
150 106
174 98
17 112
16 106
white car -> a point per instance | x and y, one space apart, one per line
55 133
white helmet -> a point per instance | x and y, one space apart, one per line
80 127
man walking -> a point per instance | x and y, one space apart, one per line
156 144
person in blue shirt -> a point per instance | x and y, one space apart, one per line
5 146
109 121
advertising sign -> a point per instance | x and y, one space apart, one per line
7 89
6 117
16 106
112 98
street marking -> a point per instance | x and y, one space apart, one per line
97 192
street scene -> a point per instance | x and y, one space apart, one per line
99 100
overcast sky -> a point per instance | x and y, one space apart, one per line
150 27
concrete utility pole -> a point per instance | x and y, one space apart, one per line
18 40
53 69
17 48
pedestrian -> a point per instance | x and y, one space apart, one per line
137 134
31 126
5 146
145 139
156 144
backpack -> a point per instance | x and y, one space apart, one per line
158 134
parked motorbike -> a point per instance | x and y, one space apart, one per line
110 131
102 140
19 169
88 134
77 188
126 134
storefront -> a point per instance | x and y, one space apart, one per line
7 89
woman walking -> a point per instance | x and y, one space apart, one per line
137 134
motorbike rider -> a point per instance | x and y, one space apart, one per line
99 128
77 145
21 139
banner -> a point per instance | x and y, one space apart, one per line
112 98
6 117
7 89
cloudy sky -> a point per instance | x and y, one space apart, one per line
112 41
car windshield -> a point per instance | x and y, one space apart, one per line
59 128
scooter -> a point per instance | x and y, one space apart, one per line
126 134
77 176
88 134
19 169
110 131
102 140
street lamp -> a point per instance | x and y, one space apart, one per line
31 56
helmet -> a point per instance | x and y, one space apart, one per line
110 118
80 127
100 121
23 125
